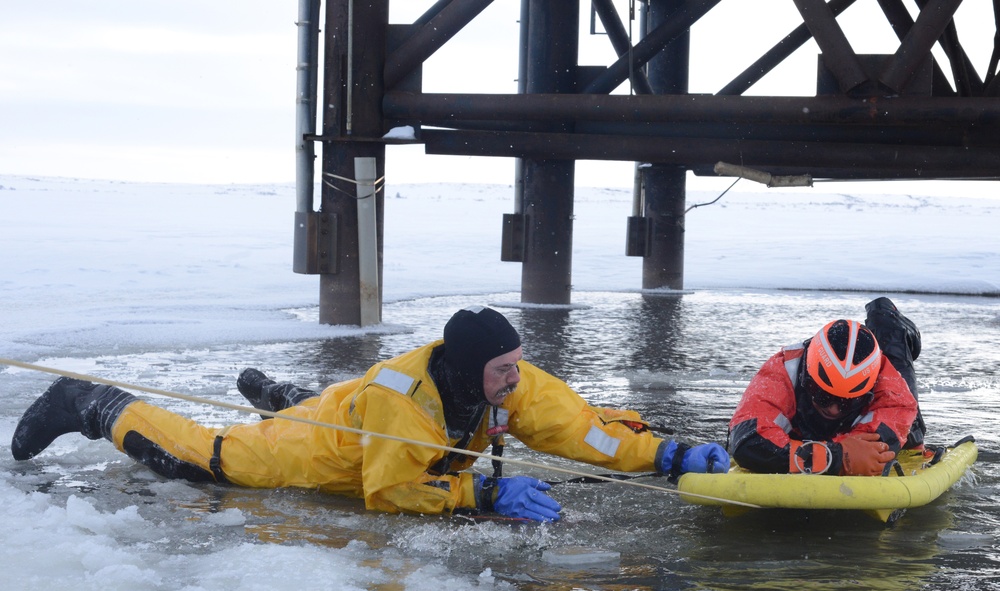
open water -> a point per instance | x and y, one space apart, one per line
681 360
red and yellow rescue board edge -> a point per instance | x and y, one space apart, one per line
920 484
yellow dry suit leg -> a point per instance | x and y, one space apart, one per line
266 454
168 444
282 452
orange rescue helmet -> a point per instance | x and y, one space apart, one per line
844 359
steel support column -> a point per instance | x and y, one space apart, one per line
546 273
352 94
547 201
663 186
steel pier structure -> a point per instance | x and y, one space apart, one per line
901 115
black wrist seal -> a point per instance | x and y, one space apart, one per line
487 494
675 463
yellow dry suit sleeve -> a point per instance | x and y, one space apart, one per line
394 473
548 416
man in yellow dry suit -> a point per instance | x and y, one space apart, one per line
464 391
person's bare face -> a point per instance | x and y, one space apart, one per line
500 376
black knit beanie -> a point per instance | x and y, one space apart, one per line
474 336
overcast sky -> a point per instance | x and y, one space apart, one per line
185 91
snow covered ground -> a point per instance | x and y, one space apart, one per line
96 264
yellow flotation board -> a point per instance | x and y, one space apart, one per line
916 478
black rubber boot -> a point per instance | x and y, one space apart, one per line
251 384
68 406
897 336
887 322
266 394
899 340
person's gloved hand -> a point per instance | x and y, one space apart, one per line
678 459
707 457
865 455
523 496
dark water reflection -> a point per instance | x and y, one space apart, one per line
681 360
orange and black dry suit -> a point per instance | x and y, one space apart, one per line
776 416
396 397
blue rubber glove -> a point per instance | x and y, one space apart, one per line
523 496
708 457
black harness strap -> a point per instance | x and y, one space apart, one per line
442 466
215 464
497 451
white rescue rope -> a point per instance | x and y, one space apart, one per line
362 432
377 184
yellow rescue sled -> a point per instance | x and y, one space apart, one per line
914 479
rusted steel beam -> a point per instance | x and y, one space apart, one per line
620 42
941 134
967 80
851 160
777 54
840 58
677 24
901 22
992 80
915 48
430 37
930 135
839 110
431 12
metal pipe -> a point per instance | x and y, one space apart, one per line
938 134
851 160
371 306
664 187
553 50
305 112
838 110
349 108
522 88
637 188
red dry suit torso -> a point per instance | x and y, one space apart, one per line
775 415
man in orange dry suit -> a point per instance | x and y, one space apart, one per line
462 392
833 404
